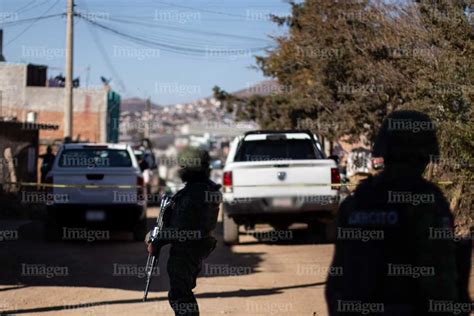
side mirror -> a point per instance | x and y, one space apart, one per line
335 158
217 164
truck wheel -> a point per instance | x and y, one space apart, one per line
231 230
140 230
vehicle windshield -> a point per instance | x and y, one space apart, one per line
281 149
94 158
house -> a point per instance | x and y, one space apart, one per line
25 95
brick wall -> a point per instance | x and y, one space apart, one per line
86 125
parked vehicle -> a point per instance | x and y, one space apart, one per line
99 186
278 178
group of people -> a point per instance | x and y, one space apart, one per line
407 268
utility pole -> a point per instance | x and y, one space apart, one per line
148 118
69 109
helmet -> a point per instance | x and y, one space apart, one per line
408 137
194 159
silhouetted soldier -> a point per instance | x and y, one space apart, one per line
192 218
395 253
47 163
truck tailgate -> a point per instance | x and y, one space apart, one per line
282 178
80 186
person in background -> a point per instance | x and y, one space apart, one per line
47 163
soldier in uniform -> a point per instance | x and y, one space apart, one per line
188 226
394 253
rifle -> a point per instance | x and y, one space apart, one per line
152 260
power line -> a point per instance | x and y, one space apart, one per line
129 20
200 32
26 9
25 6
102 51
17 22
32 23
164 46
202 10
135 39
193 41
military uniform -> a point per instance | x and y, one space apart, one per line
193 214
188 226
394 250
403 263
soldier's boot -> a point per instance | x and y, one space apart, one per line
183 302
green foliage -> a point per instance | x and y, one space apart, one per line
446 92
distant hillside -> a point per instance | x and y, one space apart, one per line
263 88
135 105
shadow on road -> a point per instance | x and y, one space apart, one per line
299 236
238 293
118 264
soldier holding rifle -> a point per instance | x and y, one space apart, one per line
188 223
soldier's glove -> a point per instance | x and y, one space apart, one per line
152 247
148 237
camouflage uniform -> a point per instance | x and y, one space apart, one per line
393 254
192 217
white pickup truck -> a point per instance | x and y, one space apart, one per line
278 178
96 186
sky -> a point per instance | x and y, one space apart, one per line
178 50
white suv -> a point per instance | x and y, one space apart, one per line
96 186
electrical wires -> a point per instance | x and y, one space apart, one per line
176 39
25 7
190 31
202 10
43 16
184 48
102 51
35 19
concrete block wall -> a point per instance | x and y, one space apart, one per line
12 83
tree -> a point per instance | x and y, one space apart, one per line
330 67
445 90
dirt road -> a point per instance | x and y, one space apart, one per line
285 277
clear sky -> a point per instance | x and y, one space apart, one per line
189 45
